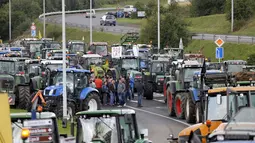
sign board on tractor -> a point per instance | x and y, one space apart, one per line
116 52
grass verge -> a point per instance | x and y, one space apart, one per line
231 50
60 129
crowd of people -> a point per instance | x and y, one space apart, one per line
117 92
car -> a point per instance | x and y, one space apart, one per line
129 8
108 20
111 13
87 14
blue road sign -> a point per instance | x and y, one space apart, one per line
219 52
33 33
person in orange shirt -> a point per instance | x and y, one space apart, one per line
99 84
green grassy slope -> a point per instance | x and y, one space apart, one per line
231 50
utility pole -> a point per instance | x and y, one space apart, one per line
232 15
158 25
90 21
64 61
44 29
10 21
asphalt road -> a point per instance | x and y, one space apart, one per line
79 20
153 116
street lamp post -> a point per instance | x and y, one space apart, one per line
10 21
158 25
90 21
64 61
232 15
44 19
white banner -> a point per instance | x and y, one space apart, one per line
116 52
141 14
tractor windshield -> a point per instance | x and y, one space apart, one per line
36 47
77 48
159 67
129 64
189 72
93 61
218 110
235 68
58 80
32 67
7 67
101 50
102 129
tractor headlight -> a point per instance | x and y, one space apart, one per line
220 138
51 91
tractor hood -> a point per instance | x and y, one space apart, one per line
199 129
55 90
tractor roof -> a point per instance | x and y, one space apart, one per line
30 61
47 39
192 63
29 39
160 61
103 112
13 59
27 115
128 57
236 89
92 56
45 49
75 42
208 72
52 62
99 43
69 70
36 42
235 62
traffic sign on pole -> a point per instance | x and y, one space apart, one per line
219 42
219 52
33 33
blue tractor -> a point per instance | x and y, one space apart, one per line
80 96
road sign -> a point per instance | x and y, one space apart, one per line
33 33
219 53
116 52
219 42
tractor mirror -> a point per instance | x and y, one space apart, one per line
36 71
128 118
218 99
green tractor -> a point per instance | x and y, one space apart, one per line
13 69
35 48
76 47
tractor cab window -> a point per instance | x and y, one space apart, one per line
32 67
19 67
100 49
128 129
7 67
58 80
129 64
35 47
189 73
101 129
77 48
235 68
159 67
81 80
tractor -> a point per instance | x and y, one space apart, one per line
80 97
93 62
75 47
182 72
35 48
233 66
13 69
109 126
100 48
46 52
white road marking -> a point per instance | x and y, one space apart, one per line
162 101
184 123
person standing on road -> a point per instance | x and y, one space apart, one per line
111 92
105 93
128 96
140 92
99 84
121 93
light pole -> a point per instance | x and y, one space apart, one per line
64 60
44 19
10 21
90 21
158 25
232 15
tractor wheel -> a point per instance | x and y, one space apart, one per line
70 110
198 113
149 91
29 103
23 96
190 110
180 105
170 103
92 102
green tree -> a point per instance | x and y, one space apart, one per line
207 7
251 59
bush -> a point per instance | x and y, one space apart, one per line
251 59
207 7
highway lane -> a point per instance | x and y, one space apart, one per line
79 20
154 117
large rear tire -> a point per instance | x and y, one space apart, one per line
23 96
180 105
148 91
170 103
70 110
92 102
190 109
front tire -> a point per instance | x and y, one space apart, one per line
23 96
180 105
92 102
170 103
190 110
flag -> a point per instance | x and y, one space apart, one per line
40 35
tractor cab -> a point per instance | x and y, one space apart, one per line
213 66
111 126
128 63
194 57
250 68
100 48
53 44
76 47
32 67
46 52
233 66
80 96
35 48
56 53
174 53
